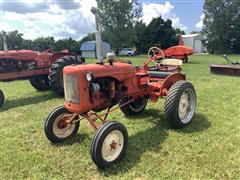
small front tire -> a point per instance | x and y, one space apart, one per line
180 105
109 144
56 129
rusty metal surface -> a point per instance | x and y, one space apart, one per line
22 74
232 70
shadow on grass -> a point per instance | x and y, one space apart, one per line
27 101
151 139
148 140
80 138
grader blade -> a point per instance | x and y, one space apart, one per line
232 70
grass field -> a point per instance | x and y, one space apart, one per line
209 148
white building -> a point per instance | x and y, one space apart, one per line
89 49
194 41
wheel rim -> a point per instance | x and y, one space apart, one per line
186 107
61 128
138 105
112 145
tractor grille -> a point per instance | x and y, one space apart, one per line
71 89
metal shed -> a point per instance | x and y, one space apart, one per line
194 41
89 49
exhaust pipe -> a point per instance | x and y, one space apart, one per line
5 47
98 37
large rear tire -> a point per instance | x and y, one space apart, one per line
41 83
1 98
180 105
56 72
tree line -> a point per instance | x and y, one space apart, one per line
222 26
121 26
157 33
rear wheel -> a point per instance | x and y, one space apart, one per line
56 128
1 98
185 59
56 72
109 144
180 104
133 108
41 83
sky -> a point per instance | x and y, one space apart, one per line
73 18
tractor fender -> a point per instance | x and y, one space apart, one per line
169 81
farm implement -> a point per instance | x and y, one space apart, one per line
180 51
232 68
93 91
44 69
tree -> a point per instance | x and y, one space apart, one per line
89 37
117 19
139 29
158 33
70 44
43 43
195 32
14 39
222 25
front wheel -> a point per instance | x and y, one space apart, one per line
109 144
56 127
1 98
180 104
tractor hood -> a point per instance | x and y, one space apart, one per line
119 71
27 55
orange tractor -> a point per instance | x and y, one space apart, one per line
44 69
92 88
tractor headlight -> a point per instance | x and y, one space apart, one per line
71 89
89 76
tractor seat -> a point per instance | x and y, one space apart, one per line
159 74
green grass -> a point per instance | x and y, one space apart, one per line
209 148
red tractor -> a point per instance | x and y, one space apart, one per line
44 69
92 88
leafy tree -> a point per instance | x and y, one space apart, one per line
14 39
158 33
222 25
42 43
70 44
195 32
140 29
89 37
117 19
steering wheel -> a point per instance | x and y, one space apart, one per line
156 54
